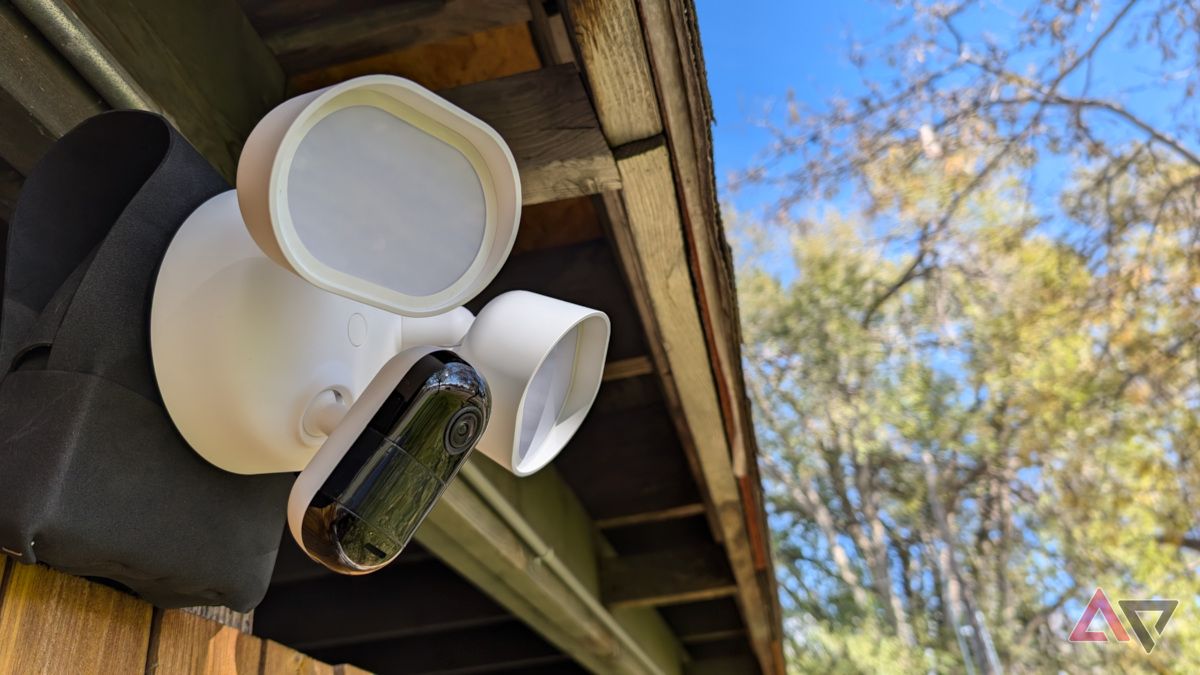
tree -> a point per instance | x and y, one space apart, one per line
976 387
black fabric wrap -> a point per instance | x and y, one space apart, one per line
94 478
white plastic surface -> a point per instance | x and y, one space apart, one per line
242 347
378 190
334 448
543 360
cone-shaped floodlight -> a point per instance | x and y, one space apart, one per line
543 360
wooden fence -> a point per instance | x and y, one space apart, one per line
54 623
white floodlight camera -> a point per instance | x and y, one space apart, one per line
312 319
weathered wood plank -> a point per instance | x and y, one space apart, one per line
508 647
684 107
702 617
609 441
621 234
657 246
726 665
631 367
41 97
326 37
672 42
199 61
486 55
347 669
281 660
548 122
608 35
667 534
666 578
658 516
54 623
550 34
698 414
186 644
559 223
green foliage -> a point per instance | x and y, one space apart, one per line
971 417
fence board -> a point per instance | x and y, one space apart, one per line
54 623
281 660
187 644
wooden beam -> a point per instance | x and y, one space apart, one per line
673 43
467 59
608 36
508 647
547 121
401 601
693 622
468 533
555 224
544 115
658 250
550 34
41 97
726 665
672 40
620 232
198 61
600 456
327 34
661 515
631 367
714 636
666 578
687 117
54 623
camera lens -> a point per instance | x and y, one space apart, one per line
463 430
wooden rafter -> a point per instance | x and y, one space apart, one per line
660 254
666 578
311 34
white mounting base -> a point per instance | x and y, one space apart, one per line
243 347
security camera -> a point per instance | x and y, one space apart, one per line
311 320
386 463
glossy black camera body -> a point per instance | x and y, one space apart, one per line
369 505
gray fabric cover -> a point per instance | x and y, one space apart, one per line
94 478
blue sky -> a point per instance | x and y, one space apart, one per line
756 50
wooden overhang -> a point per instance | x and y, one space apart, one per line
644 548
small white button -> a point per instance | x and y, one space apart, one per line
357 329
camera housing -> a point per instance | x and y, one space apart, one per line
313 320
384 466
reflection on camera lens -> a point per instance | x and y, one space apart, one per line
463 430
